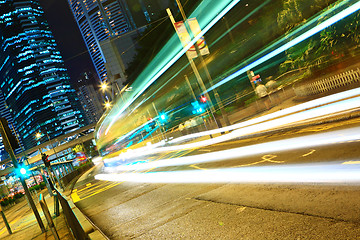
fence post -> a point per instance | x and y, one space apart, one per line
5 221
48 217
56 205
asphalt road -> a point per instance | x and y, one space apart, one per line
297 210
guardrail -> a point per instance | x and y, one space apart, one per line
328 83
80 226
48 217
73 222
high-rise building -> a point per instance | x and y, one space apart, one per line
89 98
146 11
100 20
33 78
5 113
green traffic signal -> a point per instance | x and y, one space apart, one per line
23 171
163 118
198 109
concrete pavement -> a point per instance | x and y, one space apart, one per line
24 225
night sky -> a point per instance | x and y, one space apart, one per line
68 37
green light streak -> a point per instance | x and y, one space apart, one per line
165 59
343 14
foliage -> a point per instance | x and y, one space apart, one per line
40 186
327 47
18 195
4 202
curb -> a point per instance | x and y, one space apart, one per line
88 226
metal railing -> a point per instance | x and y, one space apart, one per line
48 217
328 83
73 222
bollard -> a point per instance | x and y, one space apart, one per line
5 221
56 205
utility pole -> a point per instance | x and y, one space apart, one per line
195 70
217 97
5 132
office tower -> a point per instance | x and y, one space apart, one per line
100 20
5 113
90 99
33 78
146 11
118 53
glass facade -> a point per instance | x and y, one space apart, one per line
97 21
33 78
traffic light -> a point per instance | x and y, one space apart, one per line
203 99
198 109
12 139
22 171
45 159
163 118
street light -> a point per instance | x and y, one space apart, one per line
103 86
107 105
38 135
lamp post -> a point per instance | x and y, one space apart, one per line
6 138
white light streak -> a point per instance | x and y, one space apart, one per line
264 123
173 60
320 139
346 12
332 173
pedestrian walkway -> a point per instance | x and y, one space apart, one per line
23 223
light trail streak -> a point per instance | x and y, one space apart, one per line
215 19
316 29
320 139
330 173
308 23
300 107
249 127
341 15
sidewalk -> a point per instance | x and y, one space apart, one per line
23 223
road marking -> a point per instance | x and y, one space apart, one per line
240 209
11 223
351 162
265 158
194 166
96 185
101 190
307 154
75 197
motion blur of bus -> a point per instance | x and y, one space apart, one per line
300 42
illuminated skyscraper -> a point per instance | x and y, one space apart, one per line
33 78
100 20
89 98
